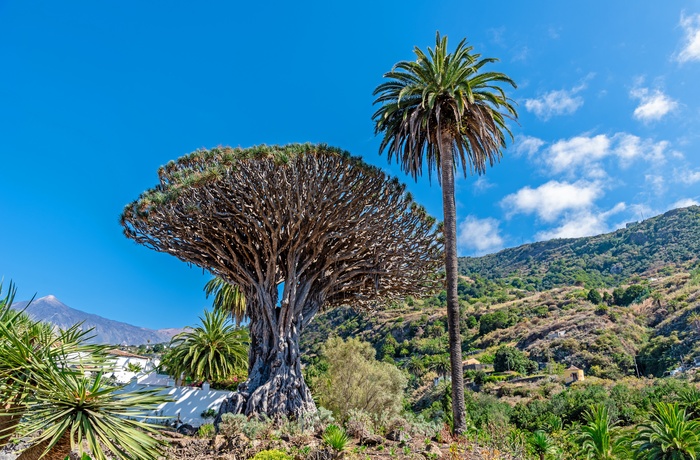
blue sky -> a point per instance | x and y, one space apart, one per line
95 96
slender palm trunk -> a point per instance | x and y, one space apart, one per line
450 232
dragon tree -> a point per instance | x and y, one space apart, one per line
297 229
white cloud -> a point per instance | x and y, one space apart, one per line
653 105
582 223
558 102
656 182
684 203
550 200
691 45
688 177
482 184
587 152
479 236
527 145
581 150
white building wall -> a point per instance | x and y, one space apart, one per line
188 403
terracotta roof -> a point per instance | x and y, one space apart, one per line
125 354
471 361
573 368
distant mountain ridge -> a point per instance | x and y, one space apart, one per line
603 260
106 331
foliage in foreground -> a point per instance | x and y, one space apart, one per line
43 376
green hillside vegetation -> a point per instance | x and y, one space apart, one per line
599 261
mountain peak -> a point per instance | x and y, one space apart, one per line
106 331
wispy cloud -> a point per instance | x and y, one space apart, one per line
527 145
684 203
585 222
583 154
691 44
479 236
687 176
653 105
553 103
550 200
482 184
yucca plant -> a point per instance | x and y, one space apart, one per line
43 384
76 409
336 438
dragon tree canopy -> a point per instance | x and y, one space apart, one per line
329 227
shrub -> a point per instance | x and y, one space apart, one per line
273 454
206 431
336 437
359 424
512 359
356 380
232 424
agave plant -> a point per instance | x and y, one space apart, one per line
336 438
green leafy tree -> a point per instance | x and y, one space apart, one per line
444 106
670 434
594 297
355 380
600 439
211 352
512 359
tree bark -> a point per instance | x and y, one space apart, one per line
59 451
9 420
450 233
275 384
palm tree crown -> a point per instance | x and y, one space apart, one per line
211 352
443 105
443 94
670 434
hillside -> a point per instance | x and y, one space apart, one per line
105 331
537 298
602 260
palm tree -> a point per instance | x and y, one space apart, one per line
227 297
670 434
210 352
443 106
690 401
541 444
600 438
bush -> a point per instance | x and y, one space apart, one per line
272 455
206 431
232 424
359 424
512 359
356 380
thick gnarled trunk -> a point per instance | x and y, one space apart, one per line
10 414
275 384
59 451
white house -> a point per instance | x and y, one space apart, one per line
122 360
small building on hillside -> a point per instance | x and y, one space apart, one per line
573 374
473 364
